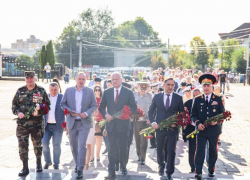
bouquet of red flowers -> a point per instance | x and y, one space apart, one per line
139 113
181 119
66 112
44 108
218 118
123 115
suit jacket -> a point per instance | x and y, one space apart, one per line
157 111
190 128
59 113
126 97
201 112
89 105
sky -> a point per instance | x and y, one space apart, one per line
178 20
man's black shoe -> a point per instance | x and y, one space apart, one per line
46 166
25 170
105 151
161 173
56 167
110 177
124 172
76 169
210 174
116 168
169 177
142 162
39 167
79 175
198 176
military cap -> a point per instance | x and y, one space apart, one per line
128 78
97 79
29 73
207 79
127 85
143 85
154 85
188 88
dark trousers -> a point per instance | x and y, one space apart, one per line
200 153
118 143
131 132
166 142
153 140
191 152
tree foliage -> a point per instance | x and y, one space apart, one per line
239 63
24 62
200 52
42 59
50 56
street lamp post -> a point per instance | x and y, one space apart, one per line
80 45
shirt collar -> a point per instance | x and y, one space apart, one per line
209 96
52 96
171 94
119 89
77 90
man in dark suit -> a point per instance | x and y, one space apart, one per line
53 127
190 128
113 100
206 106
164 105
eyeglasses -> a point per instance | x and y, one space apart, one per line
97 90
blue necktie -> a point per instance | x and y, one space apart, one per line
167 102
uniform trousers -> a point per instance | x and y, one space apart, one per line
140 140
200 153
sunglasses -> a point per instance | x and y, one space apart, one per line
97 90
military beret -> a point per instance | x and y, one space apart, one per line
29 73
207 79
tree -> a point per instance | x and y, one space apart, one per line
50 56
24 62
42 59
157 61
200 51
230 45
239 63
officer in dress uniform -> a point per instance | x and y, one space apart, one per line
143 100
204 107
24 100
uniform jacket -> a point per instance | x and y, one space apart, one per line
126 97
89 105
157 111
201 111
59 113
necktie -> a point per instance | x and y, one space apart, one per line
116 97
207 100
167 102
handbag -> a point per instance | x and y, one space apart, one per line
97 128
228 87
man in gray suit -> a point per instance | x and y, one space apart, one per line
81 103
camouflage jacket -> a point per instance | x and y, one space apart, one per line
24 99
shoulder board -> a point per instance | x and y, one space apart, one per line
201 95
217 95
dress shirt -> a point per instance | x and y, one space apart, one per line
78 100
165 98
209 97
51 116
119 90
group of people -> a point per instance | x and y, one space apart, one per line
159 93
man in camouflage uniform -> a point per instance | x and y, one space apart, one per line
29 122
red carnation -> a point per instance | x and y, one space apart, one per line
66 112
44 108
64 125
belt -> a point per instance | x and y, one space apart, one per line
51 123
77 119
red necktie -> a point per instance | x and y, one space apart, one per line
116 97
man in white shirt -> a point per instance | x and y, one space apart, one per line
92 83
53 127
47 68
